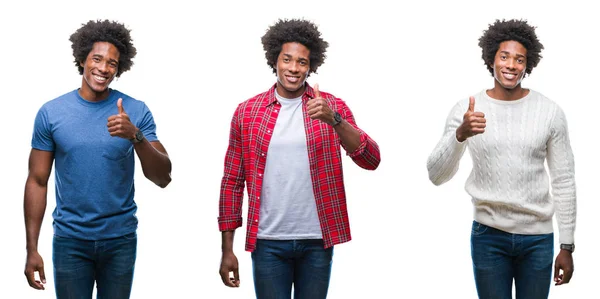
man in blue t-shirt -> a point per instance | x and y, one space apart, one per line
91 133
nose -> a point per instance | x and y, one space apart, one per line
102 67
293 67
510 64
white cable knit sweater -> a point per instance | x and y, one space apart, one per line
509 185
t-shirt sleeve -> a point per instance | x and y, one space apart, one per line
147 125
42 132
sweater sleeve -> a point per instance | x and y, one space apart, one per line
443 162
562 174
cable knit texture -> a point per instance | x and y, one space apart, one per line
509 184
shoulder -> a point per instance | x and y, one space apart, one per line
61 101
130 104
545 102
255 101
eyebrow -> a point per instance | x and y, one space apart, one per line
290 56
101 56
518 55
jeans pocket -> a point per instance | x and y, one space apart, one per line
478 229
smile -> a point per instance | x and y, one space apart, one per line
292 79
509 76
100 79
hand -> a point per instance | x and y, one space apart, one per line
317 108
473 123
564 261
229 263
120 125
35 263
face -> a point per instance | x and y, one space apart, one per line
510 64
99 69
293 66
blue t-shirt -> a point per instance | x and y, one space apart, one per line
93 170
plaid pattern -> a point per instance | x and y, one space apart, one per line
251 130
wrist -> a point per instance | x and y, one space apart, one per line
138 136
337 119
570 248
459 136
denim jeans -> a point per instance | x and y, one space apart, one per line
80 263
499 257
277 264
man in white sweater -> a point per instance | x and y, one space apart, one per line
510 131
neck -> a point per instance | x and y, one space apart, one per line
504 94
289 94
91 95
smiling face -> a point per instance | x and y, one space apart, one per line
293 66
510 65
99 69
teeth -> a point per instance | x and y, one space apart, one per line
509 76
98 78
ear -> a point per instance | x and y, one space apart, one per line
81 64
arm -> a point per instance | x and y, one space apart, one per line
34 205
363 150
562 173
443 162
229 262
155 161
230 202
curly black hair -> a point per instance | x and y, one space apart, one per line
511 30
294 30
103 31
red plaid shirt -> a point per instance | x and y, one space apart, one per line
251 130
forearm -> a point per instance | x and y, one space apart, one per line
34 206
156 164
349 136
443 162
227 241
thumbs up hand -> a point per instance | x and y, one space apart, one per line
318 108
473 123
119 125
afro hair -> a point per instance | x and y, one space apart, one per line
511 30
103 31
295 30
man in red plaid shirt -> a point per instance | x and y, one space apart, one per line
285 144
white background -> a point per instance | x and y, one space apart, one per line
400 68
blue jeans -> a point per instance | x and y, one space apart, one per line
80 263
499 257
276 265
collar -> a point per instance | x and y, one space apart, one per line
270 99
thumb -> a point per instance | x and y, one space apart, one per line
317 93
471 104
42 274
236 276
120 106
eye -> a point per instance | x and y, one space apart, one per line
286 60
520 60
503 57
96 59
302 62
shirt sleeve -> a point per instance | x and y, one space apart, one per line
367 155
146 124
42 132
562 174
233 182
443 162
